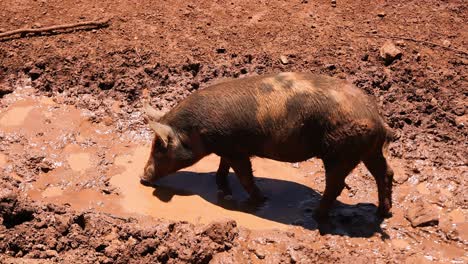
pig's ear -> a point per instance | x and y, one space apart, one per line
163 132
151 114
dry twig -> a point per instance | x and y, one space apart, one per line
87 24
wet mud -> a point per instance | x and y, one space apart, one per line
73 141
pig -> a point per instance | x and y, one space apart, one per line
289 117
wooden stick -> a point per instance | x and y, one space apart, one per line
91 24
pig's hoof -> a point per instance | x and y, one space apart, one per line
384 213
145 183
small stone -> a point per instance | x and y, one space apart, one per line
389 52
418 56
35 73
400 177
460 121
446 43
107 120
221 50
333 3
381 14
259 254
2 30
106 84
421 213
330 66
284 60
50 253
4 89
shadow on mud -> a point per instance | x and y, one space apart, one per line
287 202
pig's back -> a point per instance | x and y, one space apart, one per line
287 116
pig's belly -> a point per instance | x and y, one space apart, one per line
288 152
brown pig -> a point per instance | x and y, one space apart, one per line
287 117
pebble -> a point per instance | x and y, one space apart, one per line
400 177
461 121
284 60
381 14
421 213
389 52
4 89
259 254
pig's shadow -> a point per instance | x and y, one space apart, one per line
288 203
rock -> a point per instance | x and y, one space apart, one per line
106 84
259 254
400 177
107 120
35 73
421 213
446 43
460 121
4 89
389 52
333 3
381 14
50 253
284 60
330 66
222 231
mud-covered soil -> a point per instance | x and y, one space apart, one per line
72 135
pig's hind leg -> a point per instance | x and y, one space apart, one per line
222 179
383 175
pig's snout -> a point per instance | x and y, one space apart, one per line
149 175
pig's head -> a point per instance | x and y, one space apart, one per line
170 150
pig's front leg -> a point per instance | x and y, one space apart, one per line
243 169
222 180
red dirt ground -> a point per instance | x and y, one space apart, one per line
166 50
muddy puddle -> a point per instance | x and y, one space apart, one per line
89 166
